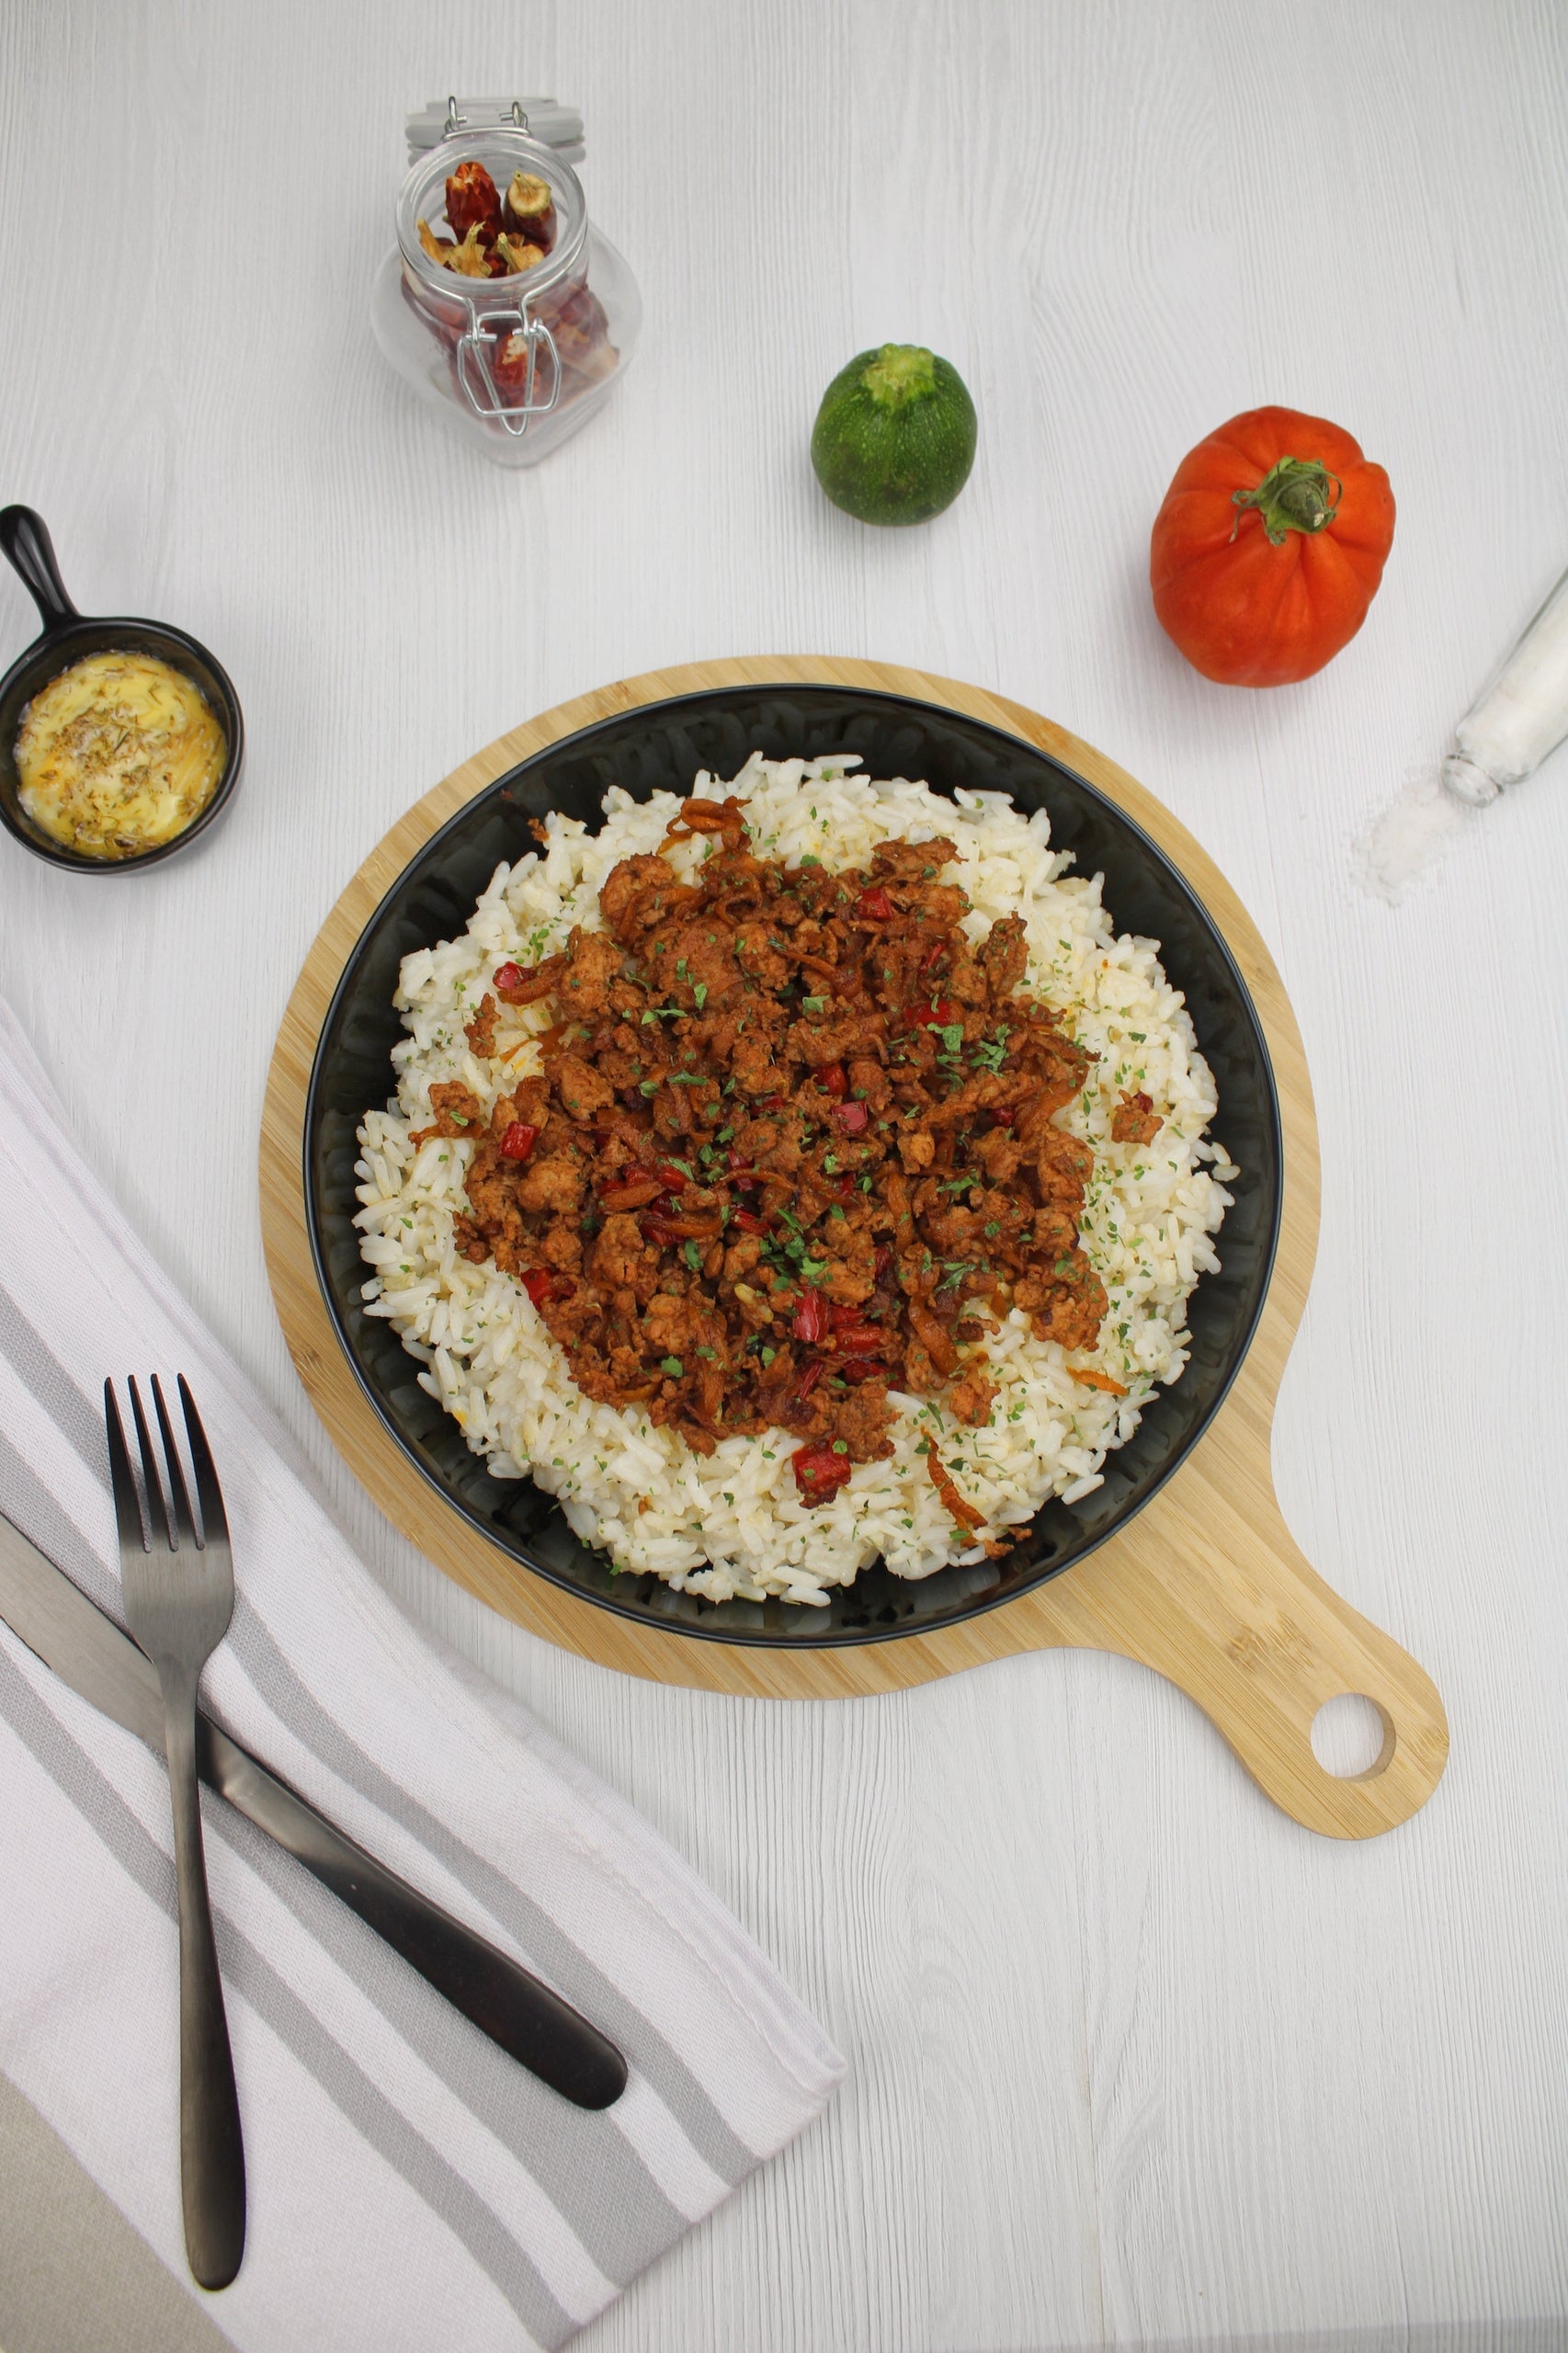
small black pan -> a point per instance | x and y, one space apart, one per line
66 637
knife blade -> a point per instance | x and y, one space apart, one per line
72 1635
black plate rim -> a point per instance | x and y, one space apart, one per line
851 1639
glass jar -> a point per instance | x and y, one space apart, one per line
513 365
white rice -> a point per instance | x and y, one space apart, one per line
731 1524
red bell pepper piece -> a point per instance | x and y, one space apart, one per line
833 1078
508 976
518 1140
865 1340
874 905
749 1223
541 1284
853 1117
818 1471
811 1318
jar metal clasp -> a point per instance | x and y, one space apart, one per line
482 329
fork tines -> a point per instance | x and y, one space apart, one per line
167 1496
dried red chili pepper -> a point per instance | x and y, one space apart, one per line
811 1374
932 957
529 207
811 1318
853 1117
935 1016
509 361
473 202
749 1224
820 1472
518 1140
768 1103
874 905
883 1261
835 1079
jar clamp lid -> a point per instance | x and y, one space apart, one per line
552 124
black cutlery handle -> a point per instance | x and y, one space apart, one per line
528 2021
212 2148
27 548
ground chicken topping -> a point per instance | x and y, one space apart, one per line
793 1143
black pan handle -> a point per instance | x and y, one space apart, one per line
28 548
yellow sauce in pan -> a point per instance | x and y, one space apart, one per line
119 754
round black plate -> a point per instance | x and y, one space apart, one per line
663 746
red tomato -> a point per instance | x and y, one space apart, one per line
818 1471
1269 547
518 1140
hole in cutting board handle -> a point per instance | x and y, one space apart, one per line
1353 1737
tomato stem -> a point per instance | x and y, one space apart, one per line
1294 495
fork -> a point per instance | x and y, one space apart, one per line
179 1597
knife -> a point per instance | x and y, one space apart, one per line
86 1650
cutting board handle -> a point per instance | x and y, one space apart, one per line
1234 1614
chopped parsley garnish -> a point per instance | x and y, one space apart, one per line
673 1366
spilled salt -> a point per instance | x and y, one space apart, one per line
1406 841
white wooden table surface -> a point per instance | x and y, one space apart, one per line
1133 2057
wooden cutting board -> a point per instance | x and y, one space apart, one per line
1206 1584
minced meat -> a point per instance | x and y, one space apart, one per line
793 1139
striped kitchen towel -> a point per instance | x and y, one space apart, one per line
409 2186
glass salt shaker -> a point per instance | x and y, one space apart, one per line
516 330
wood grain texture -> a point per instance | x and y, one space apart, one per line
1205 1586
1133 2059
